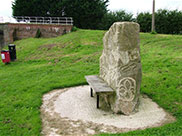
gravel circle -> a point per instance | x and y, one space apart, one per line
71 111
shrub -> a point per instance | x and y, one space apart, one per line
38 34
169 22
145 20
166 22
117 16
153 32
74 29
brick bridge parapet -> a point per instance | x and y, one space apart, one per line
16 31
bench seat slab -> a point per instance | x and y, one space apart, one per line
98 85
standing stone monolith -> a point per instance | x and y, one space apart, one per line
120 67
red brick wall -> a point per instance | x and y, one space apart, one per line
22 31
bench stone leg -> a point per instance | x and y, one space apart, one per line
97 101
91 92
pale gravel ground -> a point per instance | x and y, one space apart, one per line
72 111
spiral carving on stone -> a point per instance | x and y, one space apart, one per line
126 89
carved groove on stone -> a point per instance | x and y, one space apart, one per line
130 67
127 89
134 55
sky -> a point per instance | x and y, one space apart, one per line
132 6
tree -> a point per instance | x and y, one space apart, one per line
145 21
116 16
85 13
37 8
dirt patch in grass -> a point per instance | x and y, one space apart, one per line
48 46
87 58
89 43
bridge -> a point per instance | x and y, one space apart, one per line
21 27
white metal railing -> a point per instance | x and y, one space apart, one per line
38 20
45 20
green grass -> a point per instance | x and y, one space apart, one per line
46 64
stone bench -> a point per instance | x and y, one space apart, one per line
98 85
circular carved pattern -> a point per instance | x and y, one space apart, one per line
126 89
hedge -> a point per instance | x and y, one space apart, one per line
166 21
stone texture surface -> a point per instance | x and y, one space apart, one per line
71 111
120 67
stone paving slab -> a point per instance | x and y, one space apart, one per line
72 111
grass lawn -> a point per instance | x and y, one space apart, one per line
46 64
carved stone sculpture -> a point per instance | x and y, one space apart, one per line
120 67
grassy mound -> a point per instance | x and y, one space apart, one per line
46 64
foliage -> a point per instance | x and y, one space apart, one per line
145 21
37 8
166 21
85 13
169 22
38 34
74 29
116 16
153 32
42 67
